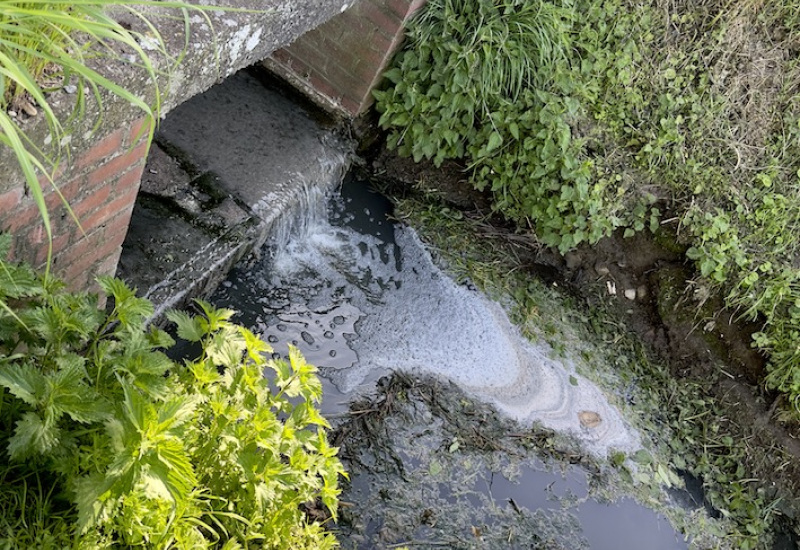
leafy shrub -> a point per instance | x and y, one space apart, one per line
498 85
113 444
591 116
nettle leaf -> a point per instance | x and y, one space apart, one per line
216 319
189 328
69 394
176 412
129 309
24 382
18 281
31 436
225 348
170 464
255 346
160 339
92 494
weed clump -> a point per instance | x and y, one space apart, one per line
110 443
583 118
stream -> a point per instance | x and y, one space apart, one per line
363 299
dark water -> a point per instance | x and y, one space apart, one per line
322 318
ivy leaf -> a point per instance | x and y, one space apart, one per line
495 141
24 382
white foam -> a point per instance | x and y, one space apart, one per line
396 310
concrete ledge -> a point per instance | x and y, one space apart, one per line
235 166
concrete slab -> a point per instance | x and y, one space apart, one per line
260 143
226 166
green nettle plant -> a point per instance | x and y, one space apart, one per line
111 444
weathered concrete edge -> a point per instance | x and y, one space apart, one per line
220 43
199 276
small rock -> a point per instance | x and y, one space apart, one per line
601 269
28 108
630 293
611 287
641 292
70 88
572 260
589 419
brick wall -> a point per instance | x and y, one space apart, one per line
339 63
100 186
101 179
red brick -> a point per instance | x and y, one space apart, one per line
139 130
37 236
59 243
305 50
118 165
119 203
296 66
25 215
322 86
92 202
9 200
380 43
79 262
131 178
389 24
117 227
415 5
351 106
68 192
109 265
400 8
106 147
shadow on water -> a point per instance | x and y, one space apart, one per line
319 315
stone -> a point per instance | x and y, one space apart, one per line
589 419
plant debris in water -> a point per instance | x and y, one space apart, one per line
432 468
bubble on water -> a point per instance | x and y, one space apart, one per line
281 327
307 338
272 338
328 334
332 353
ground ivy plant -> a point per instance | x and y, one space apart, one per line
110 443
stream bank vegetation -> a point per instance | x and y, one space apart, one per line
748 481
112 444
584 118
